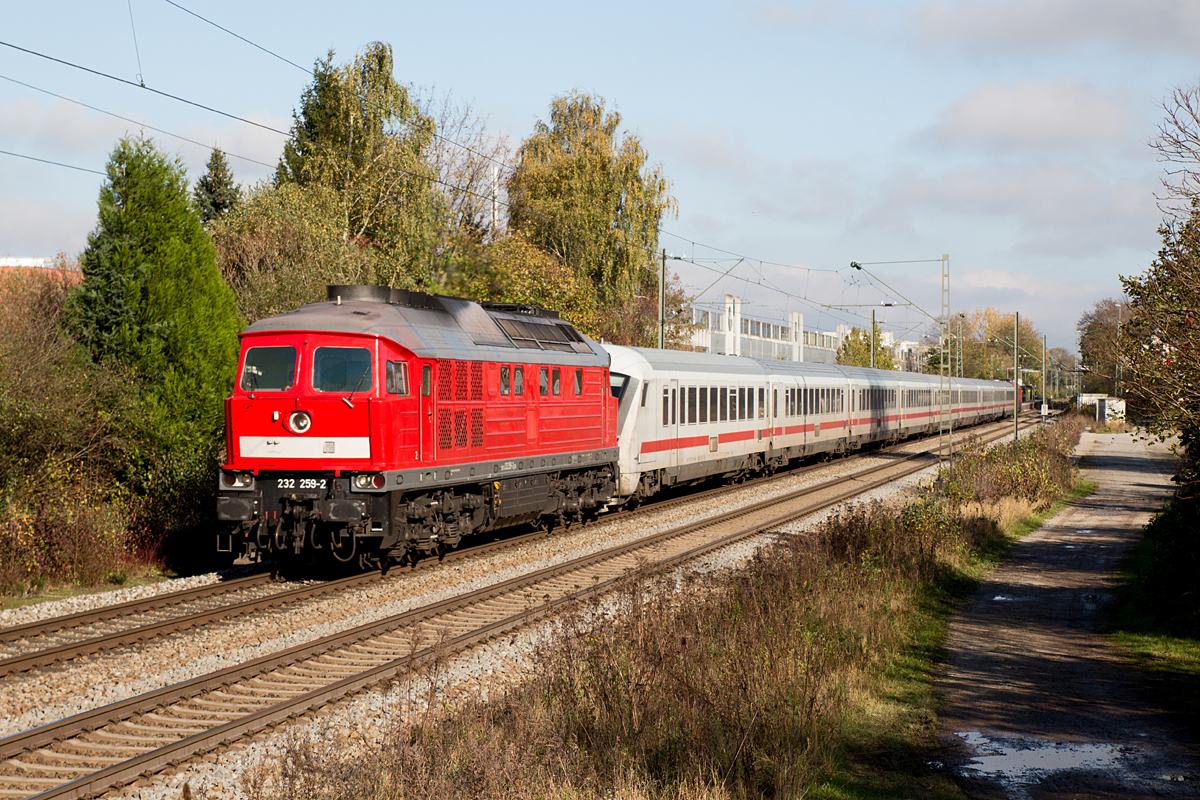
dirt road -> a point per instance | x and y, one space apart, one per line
1036 703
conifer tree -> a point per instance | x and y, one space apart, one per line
216 192
152 296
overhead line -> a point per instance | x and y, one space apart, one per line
127 119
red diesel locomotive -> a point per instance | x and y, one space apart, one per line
384 424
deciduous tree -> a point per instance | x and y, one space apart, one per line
583 191
856 350
358 133
1160 340
1099 340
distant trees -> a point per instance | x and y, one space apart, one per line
856 350
216 192
1099 339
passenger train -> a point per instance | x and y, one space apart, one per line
382 425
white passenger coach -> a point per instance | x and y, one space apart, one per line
683 416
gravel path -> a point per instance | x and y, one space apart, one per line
1037 703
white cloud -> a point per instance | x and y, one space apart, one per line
1035 115
991 26
1055 209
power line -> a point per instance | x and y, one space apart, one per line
55 163
237 36
127 119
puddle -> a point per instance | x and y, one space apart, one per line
1086 530
1003 598
1018 762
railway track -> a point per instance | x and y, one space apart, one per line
62 639
109 747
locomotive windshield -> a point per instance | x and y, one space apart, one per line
269 369
342 369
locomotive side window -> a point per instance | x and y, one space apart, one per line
519 381
544 381
556 384
578 383
505 380
269 369
397 378
426 381
342 369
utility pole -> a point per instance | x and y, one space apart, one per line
872 338
662 300
1016 377
1043 408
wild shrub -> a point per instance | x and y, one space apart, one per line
68 434
1036 467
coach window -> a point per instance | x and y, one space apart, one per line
544 381
518 381
645 386
673 393
556 383
426 381
691 405
703 404
762 402
666 406
712 404
505 380
775 404
578 383
724 403
397 378
741 402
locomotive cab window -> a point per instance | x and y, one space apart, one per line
269 369
397 378
342 369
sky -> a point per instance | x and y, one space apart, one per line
799 137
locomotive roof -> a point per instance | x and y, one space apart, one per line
433 326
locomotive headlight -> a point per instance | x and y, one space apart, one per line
299 421
236 480
369 481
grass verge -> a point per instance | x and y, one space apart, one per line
1157 620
